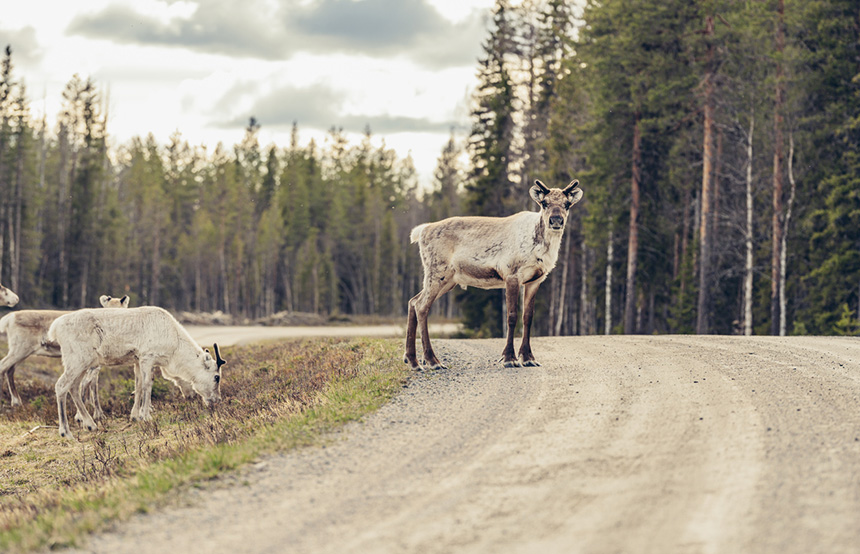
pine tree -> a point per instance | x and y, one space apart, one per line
639 84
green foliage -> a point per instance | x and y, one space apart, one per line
848 323
252 230
246 230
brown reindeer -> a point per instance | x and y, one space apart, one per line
490 253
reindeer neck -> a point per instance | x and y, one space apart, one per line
547 242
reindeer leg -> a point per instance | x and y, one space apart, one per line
7 373
69 378
92 389
512 292
85 394
83 416
528 359
14 397
410 357
437 286
145 389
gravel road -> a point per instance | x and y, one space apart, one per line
617 444
227 335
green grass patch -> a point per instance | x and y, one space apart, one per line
276 396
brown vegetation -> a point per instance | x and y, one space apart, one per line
265 385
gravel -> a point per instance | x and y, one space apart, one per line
615 444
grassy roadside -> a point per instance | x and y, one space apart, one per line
276 396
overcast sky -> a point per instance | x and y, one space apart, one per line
406 68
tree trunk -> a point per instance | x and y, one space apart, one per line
225 281
198 285
778 185
703 303
155 278
633 235
66 176
584 306
15 242
288 286
783 245
607 326
715 205
560 297
748 238
685 237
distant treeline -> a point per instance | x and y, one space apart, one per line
245 230
717 142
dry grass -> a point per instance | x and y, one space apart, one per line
275 396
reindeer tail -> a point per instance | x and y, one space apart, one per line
415 235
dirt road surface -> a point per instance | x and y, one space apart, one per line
615 445
227 335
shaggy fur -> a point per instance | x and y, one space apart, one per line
93 337
490 253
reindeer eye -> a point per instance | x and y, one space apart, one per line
217 378
567 205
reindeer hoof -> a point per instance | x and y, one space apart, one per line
438 365
512 363
413 364
530 363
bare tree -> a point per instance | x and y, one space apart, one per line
748 234
783 244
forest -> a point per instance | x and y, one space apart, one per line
717 142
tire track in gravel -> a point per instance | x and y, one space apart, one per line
617 444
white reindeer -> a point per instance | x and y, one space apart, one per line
490 253
90 338
7 297
27 335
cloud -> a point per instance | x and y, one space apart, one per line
25 48
214 27
276 30
317 107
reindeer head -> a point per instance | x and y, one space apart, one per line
555 203
7 297
208 382
111 302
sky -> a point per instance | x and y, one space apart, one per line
405 68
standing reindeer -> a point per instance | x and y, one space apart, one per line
490 253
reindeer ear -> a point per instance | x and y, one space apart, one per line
104 299
220 361
573 192
124 301
538 192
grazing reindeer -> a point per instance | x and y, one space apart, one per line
27 334
490 253
90 338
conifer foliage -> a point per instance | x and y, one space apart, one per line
717 142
